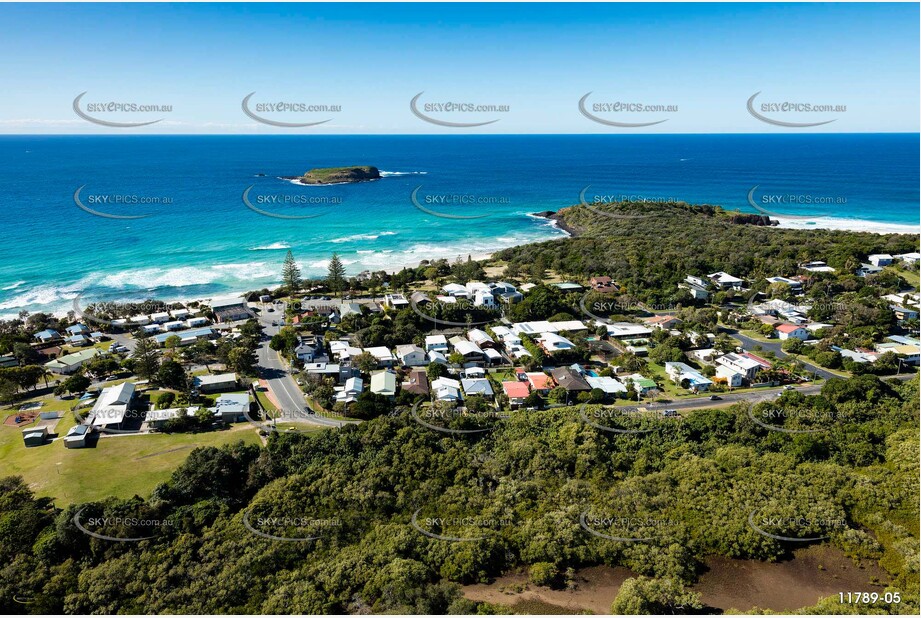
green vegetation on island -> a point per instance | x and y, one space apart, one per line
337 175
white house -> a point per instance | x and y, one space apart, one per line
438 343
395 301
69 363
435 356
740 364
912 257
609 385
725 281
552 343
350 391
628 330
383 355
785 331
481 338
880 259
679 372
411 355
477 386
455 289
733 377
216 383
469 350
446 389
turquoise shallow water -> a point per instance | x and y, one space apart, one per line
199 238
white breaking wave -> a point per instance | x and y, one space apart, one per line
275 246
13 286
363 237
386 174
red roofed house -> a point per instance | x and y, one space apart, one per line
786 331
761 361
662 321
540 382
516 392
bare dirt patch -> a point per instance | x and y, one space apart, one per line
813 573
594 591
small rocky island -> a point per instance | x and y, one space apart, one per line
337 175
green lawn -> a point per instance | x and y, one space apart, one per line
118 466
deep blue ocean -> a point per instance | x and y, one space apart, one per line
201 239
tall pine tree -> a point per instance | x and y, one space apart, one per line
335 278
291 273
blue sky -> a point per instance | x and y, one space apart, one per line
702 62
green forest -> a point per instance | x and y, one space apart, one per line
355 519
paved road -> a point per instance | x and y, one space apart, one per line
274 371
775 346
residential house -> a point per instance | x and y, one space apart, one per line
817 266
627 330
395 301
602 284
477 386
77 329
795 286
469 350
186 337
607 384
553 343
351 390
411 355
570 380
69 363
197 322
308 350
481 338
568 286
435 356
744 365
880 259
231 407
48 335
455 289
725 281
912 257
384 383
215 383
698 288
517 392
733 377
662 322
865 270
493 357
679 372
446 389
79 341
347 309
785 331
417 383
156 419
641 384
439 343
161 317
384 356
540 382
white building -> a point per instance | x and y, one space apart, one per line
411 355
880 259
740 364
438 343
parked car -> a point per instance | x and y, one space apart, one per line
670 413
715 398
788 387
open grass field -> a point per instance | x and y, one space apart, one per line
119 466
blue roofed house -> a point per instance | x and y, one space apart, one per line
49 334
